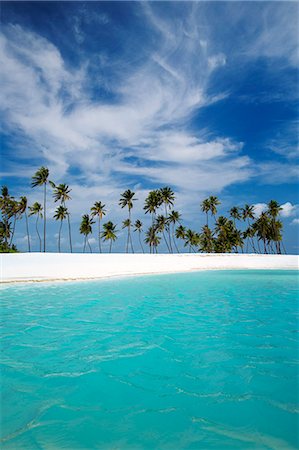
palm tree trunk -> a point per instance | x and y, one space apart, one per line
45 219
40 241
140 242
129 231
100 248
13 229
174 240
166 241
89 245
27 230
84 246
59 236
110 246
70 234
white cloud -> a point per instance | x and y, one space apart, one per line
295 221
259 208
288 209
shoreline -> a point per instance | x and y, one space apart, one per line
61 267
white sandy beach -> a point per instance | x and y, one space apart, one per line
66 266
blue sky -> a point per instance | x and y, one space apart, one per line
201 96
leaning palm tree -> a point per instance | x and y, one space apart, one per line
36 210
40 178
86 229
13 209
61 193
138 228
248 213
205 207
173 218
127 199
109 233
191 240
263 227
23 210
98 209
61 214
273 211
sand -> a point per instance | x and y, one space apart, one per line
65 266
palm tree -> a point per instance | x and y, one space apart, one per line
173 218
235 213
23 210
205 207
61 193
206 240
98 209
152 203
40 178
180 232
36 210
191 239
248 213
61 214
167 198
127 199
138 227
273 211
160 225
86 229
13 212
4 203
152 239
263 227
109 233
214 202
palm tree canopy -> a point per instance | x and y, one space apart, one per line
174 217
126 223
180 232
214 202
138 225
86 225
274 208
205 205
248 212
167 196
23 204
61 192
151 237
36 209
98 209
235 212
161 222
152 202
127 199
109 232
61 213
40 177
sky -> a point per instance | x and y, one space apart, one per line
198 96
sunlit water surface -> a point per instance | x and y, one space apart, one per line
203 360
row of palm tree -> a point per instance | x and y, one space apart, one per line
262 234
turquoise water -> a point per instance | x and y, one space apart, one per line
204 360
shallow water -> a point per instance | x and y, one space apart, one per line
205 360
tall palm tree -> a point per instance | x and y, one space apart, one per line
214 202
36 210
138 228
61 214
263 226
180 232
40 178
152 239
98 209
86 229
109 233
167 198
235 213
152 202
173 218
23 210
273 211
248 213
4 204
13 208
160 225
61 193
205 207
127 199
